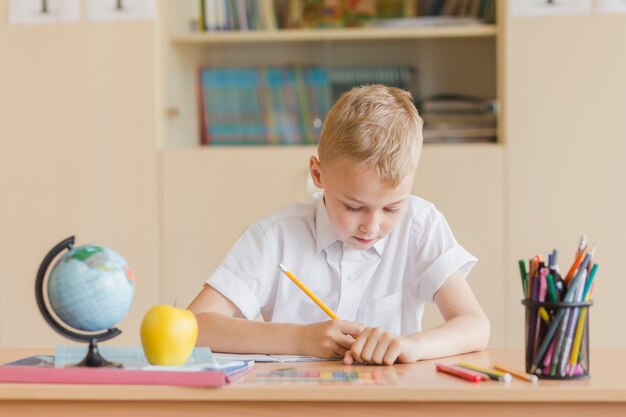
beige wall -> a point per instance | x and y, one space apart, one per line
566 152
77 157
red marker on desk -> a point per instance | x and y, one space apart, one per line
461 372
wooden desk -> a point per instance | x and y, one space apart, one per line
413 390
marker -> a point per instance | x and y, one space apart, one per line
461 373
308 292
493 374
543 289
552 291
517 374
524 274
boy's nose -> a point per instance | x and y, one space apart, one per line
369 228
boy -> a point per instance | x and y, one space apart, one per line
373 253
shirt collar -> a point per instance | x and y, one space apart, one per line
326 236
324 233
380 246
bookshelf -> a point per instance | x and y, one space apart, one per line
459 59
210 194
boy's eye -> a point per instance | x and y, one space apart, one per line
356 209
394 210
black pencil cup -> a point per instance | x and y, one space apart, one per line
557 339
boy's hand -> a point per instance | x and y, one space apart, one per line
377 346
329 339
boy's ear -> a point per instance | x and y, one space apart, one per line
316 174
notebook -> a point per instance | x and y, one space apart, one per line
201 370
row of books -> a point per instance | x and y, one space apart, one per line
234 15
280 105
228 15
484 10
458 118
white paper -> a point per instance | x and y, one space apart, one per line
610 6
35 12
519 8
108 10
265 358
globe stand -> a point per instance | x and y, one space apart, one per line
93 357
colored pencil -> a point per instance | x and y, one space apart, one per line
575 266
491 373
580 327
570 296
517 374
461 372
571 326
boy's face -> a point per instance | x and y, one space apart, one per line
361 207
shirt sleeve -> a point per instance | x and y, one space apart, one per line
246 274
437 253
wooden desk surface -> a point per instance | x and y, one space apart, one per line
410 389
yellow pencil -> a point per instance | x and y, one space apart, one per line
309 293
578 336
544 315
573 359
518 374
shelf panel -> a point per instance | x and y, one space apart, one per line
327 35
290 150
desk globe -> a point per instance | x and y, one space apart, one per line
90 289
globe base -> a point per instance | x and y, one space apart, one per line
94 359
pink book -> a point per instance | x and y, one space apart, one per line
51 375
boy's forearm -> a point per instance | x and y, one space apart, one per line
230 334
462 334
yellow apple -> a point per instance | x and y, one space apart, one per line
168 335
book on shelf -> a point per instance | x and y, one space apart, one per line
460 134
483 10
343 79
228 15
458 118
456 104
232 108
201 370
435 120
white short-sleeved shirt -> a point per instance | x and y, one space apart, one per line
385 286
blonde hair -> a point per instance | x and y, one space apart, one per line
375 124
